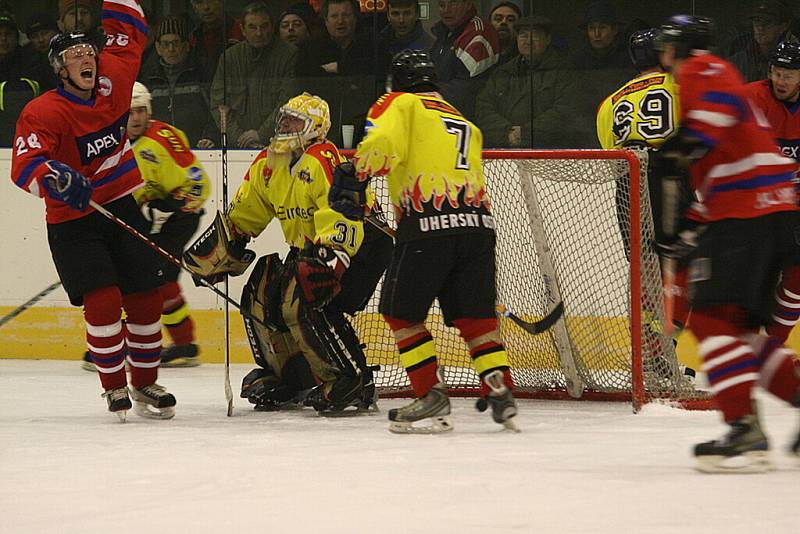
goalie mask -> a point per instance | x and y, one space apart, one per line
302 121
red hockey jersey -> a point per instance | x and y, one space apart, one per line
88 135
784 118
744 174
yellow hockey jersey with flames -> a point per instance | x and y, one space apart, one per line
645 110
169 168
431 156
297 195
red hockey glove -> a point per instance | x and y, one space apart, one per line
319 273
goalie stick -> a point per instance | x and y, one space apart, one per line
33 300
670 201
536 327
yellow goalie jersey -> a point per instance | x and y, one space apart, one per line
169 168
431 156
297 195
643 111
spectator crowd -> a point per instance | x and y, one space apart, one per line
511 72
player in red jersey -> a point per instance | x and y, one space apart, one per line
778 99
740 234
71 146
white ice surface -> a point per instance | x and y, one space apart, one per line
68 466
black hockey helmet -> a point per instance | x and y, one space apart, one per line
412 71
686 33
642 48
786 55
62 42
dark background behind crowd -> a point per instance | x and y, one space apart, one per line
530 73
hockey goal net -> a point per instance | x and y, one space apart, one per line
564 221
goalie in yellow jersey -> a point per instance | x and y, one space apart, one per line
445 241
302 335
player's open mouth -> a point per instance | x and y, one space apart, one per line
87 74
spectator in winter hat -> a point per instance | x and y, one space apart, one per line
771 21
40 29
294 24
75 15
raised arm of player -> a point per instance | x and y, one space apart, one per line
126 37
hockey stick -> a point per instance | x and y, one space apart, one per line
536 327
223 126
669 214
36 298
172 259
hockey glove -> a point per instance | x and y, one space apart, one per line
67 185
680 246
159 211
319 273
348 195
218 253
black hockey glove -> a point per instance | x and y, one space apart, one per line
319 273
348 195
67 185
680 246
159 211
676 155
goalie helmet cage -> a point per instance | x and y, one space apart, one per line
564 220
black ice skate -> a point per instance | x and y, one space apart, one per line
88 364
744 449
268 393
435 406
180 356
153 402
346 392
118 402
501 400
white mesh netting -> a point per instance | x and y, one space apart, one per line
579 200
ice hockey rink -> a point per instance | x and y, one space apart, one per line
68 466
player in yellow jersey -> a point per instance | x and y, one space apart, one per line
445 242
176 187
643 114
333 267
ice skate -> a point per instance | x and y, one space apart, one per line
180 356
153 402
501 400
435 406
118 402
88 364
744 449
348 395
268 393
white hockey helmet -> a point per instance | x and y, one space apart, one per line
314 113
141 98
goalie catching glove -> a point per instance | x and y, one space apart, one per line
159 211
319 273
348 195
217 253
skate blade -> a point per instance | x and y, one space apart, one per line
180 363
511 426
352 411
142 409
750 462
438 425
122 415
